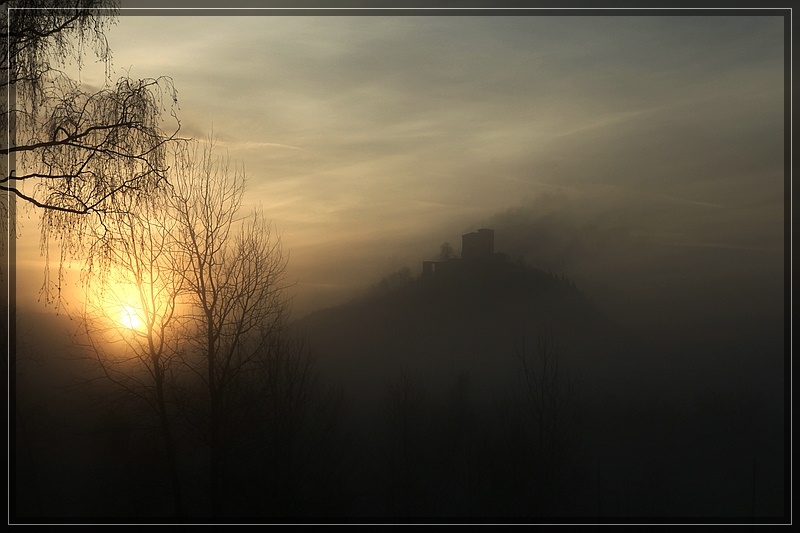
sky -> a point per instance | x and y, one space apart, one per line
640 156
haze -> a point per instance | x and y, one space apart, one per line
641 156
633 170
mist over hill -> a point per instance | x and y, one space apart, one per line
677 416
481 389
471 318
474 314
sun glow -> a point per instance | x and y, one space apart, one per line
126 306
129 317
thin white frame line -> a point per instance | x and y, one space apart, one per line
416 8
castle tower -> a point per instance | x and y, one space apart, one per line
477 244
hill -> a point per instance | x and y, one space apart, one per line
473 317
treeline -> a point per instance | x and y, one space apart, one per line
298 449
540 447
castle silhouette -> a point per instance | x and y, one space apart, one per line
476 247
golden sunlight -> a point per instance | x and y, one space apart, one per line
129 317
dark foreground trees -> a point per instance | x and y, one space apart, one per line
292 456
82 159
186 300
190 319
233 269
131 324
444 448
541 422
77 155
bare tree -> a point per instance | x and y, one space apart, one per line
131 319
289 442
75 152
541 421
235 284
551 395
394 281
204 310
446 252
406 421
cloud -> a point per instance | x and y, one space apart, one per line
257 145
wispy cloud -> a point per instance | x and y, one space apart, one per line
257 145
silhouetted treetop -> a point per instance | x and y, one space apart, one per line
74 150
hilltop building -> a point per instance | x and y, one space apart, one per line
477 246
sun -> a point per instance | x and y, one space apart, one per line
129 317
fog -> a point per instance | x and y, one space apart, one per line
634 171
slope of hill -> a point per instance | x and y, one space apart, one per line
471 319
